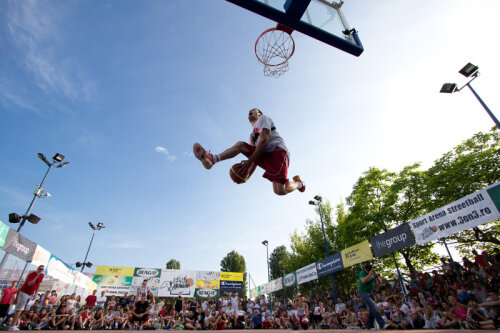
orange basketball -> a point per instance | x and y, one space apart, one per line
236 175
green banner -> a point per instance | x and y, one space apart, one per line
4 230
204 293
494 193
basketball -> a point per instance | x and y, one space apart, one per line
236 175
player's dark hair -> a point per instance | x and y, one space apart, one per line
260 112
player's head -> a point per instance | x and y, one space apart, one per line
254 114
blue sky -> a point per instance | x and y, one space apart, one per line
124 88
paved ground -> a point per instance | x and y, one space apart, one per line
326 331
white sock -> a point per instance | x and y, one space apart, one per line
216 158
299 185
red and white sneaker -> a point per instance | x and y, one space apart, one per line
206 158
297 179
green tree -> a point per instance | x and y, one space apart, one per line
276 260
173 264
234 262
470 166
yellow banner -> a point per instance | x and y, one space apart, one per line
115 271
207 284
357 254
231 276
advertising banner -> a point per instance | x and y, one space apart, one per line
231 285
175 282
254 293
306 274
141 274
113 284
265 288
231 276
239 293
392 240
205 293
289 280
207 280
41 256
276 284
356 254
475 209
59 270
114 271
330 265
4 230
19 246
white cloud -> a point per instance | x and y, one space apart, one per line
164 151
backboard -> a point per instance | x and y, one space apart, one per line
319 19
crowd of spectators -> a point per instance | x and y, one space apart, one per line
456 296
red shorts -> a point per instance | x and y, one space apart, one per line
275 163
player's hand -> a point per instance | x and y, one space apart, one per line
245 167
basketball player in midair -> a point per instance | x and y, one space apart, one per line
266 149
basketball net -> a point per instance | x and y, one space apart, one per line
273 49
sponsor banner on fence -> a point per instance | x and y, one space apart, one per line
4 230
276 284
59 270
392 240
230 292
141 274
41 256
204 293
265 288
175 282
113 284
289 280
356 254
207 280
231 276
330 265
231 285
19 246
254 293
306 274
114 271
475 209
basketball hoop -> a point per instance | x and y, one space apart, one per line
273 49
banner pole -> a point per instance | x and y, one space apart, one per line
400 278
21 276
453 262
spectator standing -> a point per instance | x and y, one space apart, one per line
367 277
91 299
7 298
101 301
28 289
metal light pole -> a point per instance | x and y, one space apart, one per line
266 243
99 226
469 70
38 193
317 203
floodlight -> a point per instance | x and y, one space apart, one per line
62 165
14 218
448 88
44 159
265 242
78 264
312 203
58 157
100 226
47 195
88 264
468 70
317 198
33 219
92 225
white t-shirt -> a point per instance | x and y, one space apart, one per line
234 302
275 142
71 303
339 307
100 301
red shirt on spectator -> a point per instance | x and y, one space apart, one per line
91 299
480 260
30 290
7 295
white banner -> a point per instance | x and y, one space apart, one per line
175 282
207 275
59 270
307 273
265 288
276 284
41 256
475 209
